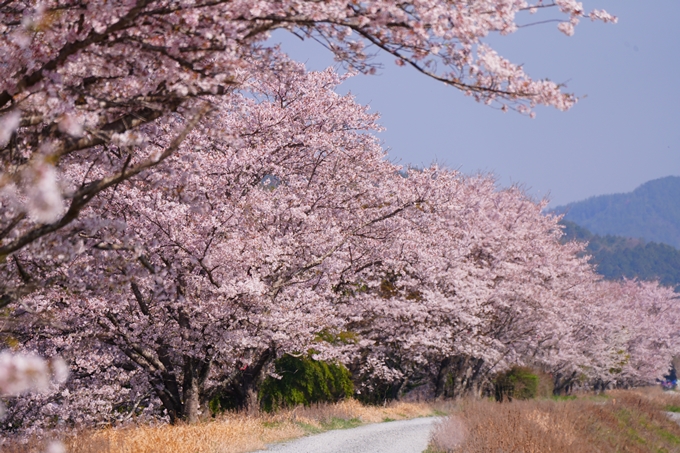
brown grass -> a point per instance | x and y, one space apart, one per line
622 421
234 432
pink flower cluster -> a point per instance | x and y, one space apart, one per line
82 78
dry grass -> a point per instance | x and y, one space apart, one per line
622 421
235 432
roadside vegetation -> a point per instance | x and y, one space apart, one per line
633 421
234 432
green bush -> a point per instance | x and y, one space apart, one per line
517 383
304 381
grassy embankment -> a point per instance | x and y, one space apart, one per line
621 421
236 432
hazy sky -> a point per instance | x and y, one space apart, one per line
625 132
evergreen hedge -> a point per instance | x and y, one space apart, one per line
304 381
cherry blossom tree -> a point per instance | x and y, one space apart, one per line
479 281
638 338
470 288
200 273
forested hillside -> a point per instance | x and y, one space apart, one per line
651 212
617 257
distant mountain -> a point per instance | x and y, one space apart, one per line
616 257
650 212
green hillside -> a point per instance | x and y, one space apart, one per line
651 212
616 257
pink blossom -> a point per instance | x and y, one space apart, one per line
8 124
44 202
567 28
71 126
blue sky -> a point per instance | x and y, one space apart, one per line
624 132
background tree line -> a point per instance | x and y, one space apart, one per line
617 257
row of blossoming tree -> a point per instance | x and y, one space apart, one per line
181 205
295 234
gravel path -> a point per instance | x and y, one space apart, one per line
405 436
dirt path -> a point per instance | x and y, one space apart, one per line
406 436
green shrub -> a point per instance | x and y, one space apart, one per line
304 381
517 383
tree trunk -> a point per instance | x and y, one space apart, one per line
442 376
562 384
171 401
195 374
239 388
192 402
